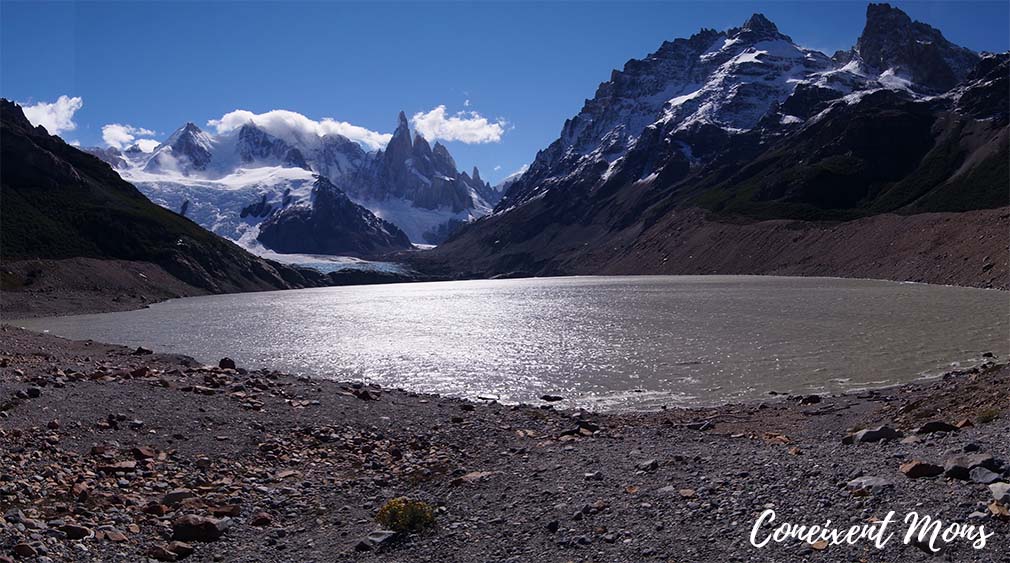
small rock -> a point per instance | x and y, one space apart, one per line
878 434
34 392
76 532
261 519
118 467
144 452
551 398
1000 492
650 465
594 476
871 484
366 395
176 496
181 549
935 426
161 553
25 550
553 526
141 351
226 363
919 469
376 539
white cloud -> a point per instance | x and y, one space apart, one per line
294 127
56 117
121 136
148 145
74 143
466 103
497 168
466 126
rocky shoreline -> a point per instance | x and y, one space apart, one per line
114 454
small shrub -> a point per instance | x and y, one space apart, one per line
988 415
405 515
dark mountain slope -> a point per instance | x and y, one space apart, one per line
330 224
59 202
844 145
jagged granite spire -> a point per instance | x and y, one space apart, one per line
399 147
892 41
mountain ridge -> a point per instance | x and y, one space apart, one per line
784 133
410 183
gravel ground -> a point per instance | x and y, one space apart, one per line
113 456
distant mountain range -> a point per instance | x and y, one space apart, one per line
59 202
749 126
234 182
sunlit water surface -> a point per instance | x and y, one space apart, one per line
601 342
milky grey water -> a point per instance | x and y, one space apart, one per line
601 342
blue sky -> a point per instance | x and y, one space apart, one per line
524 67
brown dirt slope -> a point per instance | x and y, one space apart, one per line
36 288
966 248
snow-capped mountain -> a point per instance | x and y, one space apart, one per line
232 181
744 125
417 187
684 102
328 222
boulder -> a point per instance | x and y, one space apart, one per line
226 363
959 467
983 476
191 527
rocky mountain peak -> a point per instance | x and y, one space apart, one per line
893 43
756 28
421 147
758 23
189 148
476 175
399 147
442 155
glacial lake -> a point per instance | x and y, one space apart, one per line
610 343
